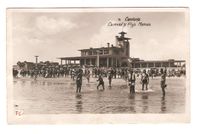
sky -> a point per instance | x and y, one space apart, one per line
62 33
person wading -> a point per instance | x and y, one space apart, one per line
145 80
163 82
88 75
131 80
79 81
110 79
101 82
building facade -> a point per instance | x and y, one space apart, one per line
110 56
117 55
171 63
31 65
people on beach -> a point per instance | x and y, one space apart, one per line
101 82
145 80
59 71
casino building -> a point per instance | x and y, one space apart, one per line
117 55
111 56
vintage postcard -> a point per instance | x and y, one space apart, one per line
98 65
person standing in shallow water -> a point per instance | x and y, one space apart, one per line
88 75
35 73
145 80
79 81
110 79
131 80
101 82
163 82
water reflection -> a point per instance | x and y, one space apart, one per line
163 105
91 100
144 99
33 83
132 97
132 103
123 86
23 83
79 103
88 85
43 83
14 82
49 83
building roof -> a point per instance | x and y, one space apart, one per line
100 48
122 32
157 61
89 56
122 38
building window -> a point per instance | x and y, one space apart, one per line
137 65
90 53
86 53
158 64
83 52
144 65
95 52
151 64
106 52
116 51
100 51
165 64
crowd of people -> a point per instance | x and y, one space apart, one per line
131 78
63 71
76 74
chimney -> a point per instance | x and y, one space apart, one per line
108 45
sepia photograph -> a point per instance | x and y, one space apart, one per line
98 65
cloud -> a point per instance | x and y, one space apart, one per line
104 35
51 26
